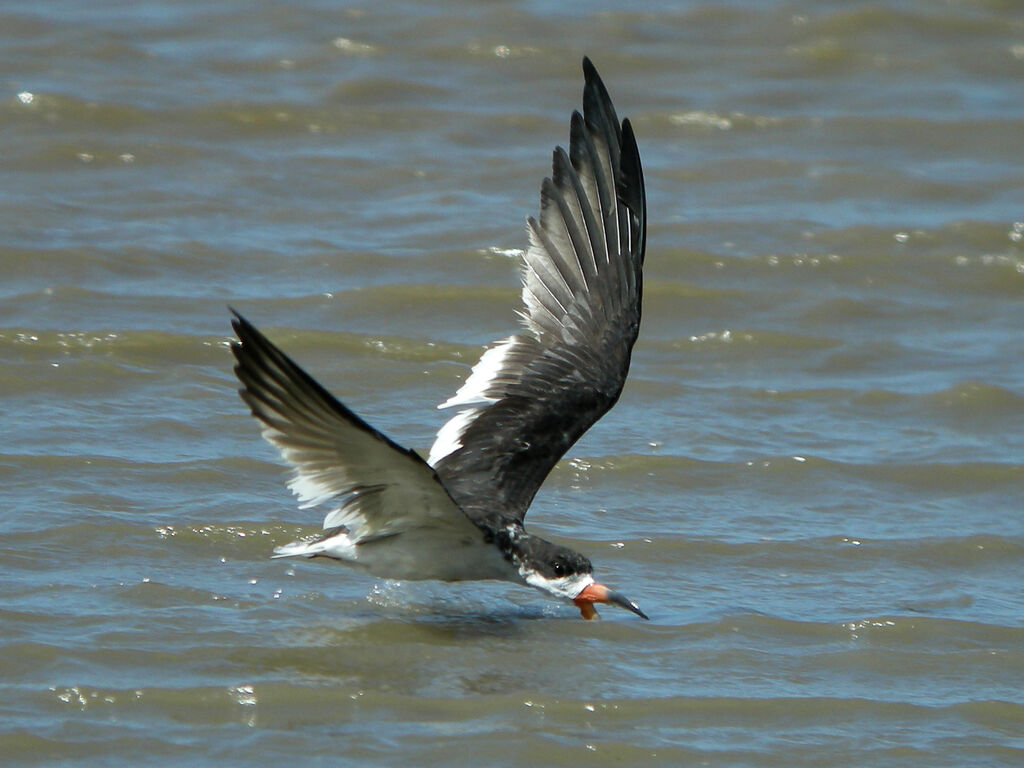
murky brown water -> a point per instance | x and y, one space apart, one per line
813 480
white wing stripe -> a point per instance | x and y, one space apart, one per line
485 385
449 437
476 389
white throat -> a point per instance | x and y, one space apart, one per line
564 586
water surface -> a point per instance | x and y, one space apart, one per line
812 482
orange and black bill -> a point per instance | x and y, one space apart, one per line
599 593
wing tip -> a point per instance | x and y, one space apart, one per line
589 70
238 322
249 339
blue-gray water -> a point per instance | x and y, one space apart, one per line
813 482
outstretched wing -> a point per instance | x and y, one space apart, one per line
376 488
532 395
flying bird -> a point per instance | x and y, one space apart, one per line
459 514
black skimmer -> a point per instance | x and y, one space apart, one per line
459 514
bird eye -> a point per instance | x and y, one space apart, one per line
560 569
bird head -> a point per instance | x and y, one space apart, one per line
566 574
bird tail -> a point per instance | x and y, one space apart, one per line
334 542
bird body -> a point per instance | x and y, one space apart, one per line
459 514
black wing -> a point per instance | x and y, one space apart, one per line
532 395
375 487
